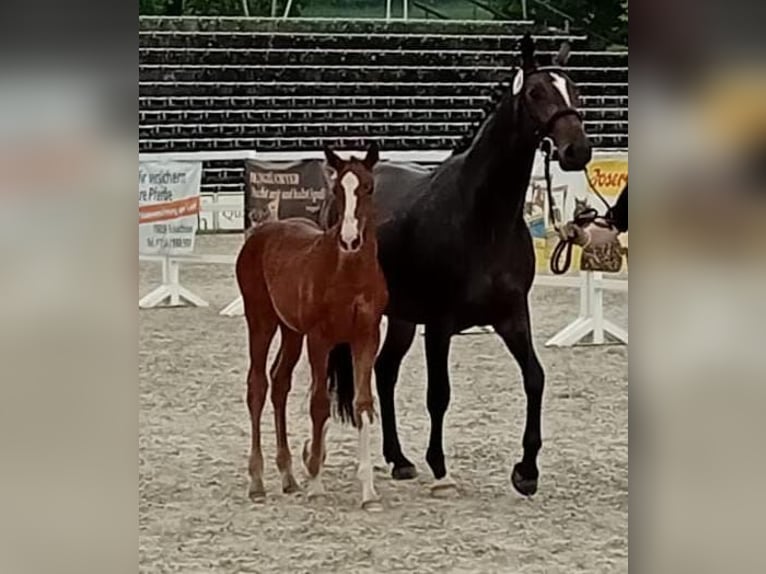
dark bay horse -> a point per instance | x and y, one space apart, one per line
328 286
456 252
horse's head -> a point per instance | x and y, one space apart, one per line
547 101
352 191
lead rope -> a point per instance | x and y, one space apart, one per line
598 194
588 216
564 246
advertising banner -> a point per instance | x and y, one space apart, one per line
609 175
168 207
278 190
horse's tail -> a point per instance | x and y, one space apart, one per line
340 378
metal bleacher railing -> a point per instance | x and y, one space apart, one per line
291 85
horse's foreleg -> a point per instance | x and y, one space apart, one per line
516 333
314 450
437 399
260 333
398 341
281 379
364 350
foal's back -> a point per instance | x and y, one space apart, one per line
275 261
298 270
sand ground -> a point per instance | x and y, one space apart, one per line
194 438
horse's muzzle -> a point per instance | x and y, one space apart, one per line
574 156
351 246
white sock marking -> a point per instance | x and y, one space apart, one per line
349 229
364 472
561 85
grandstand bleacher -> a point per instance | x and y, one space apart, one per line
208 84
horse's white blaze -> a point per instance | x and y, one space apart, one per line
561 85
349 230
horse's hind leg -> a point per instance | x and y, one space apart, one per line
515 330
437 400
281 379
364 350
398 341
262 323
314 450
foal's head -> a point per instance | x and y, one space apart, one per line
548 100
352 190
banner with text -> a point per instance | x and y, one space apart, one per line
609 175
168 207
278 190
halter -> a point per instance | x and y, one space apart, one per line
548 126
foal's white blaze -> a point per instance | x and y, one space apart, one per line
561 85
349 230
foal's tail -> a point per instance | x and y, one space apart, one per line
340 375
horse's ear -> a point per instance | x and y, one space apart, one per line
528 52
373 154
332 158
562 57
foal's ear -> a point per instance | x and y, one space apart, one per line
527 45
333 160
562 57
373 154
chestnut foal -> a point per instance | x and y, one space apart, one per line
325 285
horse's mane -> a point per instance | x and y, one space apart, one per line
496 95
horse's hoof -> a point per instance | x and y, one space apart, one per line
289 485
404 472
444 488
372 505
257 493
524 486
315 491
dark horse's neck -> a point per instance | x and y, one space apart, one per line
498 166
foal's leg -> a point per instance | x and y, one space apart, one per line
398 341
437 399
516 333
281 379
261 330
364 349
314 451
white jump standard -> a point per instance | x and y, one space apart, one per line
591 319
